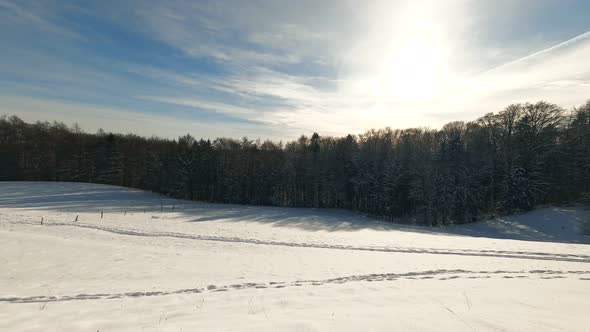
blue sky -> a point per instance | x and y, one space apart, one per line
279 69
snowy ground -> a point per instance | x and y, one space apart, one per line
157 264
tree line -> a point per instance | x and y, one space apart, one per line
525 155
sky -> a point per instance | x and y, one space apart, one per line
279 69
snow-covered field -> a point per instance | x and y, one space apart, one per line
157 264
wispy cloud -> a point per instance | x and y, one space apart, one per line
559 74
281 69
206 106
92 117
36 14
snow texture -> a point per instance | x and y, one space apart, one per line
151 263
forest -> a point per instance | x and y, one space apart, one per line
521 157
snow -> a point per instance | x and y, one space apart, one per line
157 264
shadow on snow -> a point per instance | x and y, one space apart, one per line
548 224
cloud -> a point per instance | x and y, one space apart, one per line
92 117
210 30
34 14
223 108
558 74
282 69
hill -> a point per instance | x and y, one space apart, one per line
135 260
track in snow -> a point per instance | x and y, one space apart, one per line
432 274
408 250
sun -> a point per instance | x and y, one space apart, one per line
415 69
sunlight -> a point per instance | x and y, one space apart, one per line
415 70
414 64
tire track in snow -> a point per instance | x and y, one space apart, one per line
407 250
418 275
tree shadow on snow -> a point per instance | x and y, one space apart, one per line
563 225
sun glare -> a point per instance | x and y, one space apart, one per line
414 70
414 65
